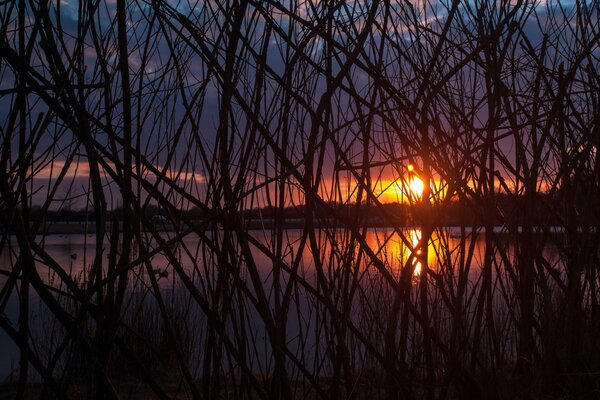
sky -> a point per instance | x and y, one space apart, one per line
178 125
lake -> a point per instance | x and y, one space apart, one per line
334 278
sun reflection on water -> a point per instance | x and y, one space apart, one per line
415 236
397 251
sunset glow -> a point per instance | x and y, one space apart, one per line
406 190
415 188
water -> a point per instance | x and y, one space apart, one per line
447 257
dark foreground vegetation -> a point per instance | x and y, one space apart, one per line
214 117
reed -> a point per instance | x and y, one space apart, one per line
189 138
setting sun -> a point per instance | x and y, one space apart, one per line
402 190
416 188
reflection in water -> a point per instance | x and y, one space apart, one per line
396 251
415 236
75 253
337 255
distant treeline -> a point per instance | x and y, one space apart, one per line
452 213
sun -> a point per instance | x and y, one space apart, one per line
408 189
416 187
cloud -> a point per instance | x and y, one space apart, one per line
80 169
53 169
176 176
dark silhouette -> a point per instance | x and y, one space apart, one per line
228 168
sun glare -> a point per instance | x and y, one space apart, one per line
409 190
416 187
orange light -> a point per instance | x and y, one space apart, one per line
410 167
416 187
